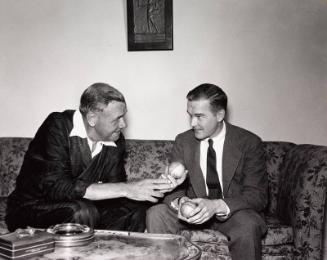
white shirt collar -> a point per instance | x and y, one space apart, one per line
78 126
218 137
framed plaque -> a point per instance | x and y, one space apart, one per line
150 25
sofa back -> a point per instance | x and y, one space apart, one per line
275 153
145 159
12 151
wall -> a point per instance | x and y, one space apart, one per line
269 56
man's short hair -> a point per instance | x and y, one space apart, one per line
96 94
216 96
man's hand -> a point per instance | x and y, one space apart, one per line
174 181
205 210
147 189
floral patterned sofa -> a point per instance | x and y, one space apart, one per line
297 194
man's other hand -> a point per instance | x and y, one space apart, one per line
147 189
205 210
174 181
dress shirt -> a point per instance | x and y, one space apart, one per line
218 145
80 131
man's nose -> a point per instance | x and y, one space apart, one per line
194 121
122 123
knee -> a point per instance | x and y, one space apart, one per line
85 213
138 215
156 218
249 230
248 226
247 234
156 212
137 221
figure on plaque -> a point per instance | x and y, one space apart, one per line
152 10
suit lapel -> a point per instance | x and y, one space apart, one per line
196 174
231 157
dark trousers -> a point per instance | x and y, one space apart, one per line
243 229
114 214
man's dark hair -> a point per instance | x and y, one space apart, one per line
216 96
98 93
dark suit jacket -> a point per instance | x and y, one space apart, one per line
244 172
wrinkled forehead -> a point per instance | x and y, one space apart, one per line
113 109
112 105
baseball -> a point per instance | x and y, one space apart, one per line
176 170
186 208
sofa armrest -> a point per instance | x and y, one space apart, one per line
302 198
324 249
3 206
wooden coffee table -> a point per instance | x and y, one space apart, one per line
120 245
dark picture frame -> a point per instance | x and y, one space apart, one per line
150 25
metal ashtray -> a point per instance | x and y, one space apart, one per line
71 234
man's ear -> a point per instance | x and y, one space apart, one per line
91 118
221 115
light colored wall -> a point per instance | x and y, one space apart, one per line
269 56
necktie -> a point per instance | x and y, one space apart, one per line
212 175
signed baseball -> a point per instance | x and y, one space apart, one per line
186 208
176 170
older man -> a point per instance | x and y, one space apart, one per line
74 171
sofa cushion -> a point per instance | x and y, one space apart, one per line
205 255
278 233
212 250
280 252
275 154
212 242
205 235
277 244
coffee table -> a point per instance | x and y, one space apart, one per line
120 245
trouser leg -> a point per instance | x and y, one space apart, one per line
244 230
161 219
122 214
45 214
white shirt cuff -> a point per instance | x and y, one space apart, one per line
174 204
224 214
